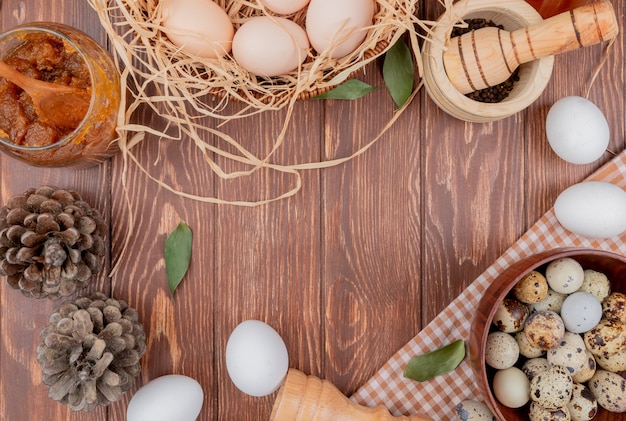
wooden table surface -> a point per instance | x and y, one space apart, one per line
347 270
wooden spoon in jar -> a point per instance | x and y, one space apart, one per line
57 105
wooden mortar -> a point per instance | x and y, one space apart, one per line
309 398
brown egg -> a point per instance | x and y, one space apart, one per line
544 329
510 315
532 288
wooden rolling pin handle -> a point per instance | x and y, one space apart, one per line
488 56
308 398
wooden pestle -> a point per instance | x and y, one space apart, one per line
309 398
488 56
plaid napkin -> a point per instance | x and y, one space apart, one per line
439 396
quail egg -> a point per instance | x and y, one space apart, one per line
527 349
610 390
510 315
501 350
532 288
551 389
565 275
607 338
614 363
511 387
583 406
596 283
570 353
534 366
538 413
544 329
614 307
581 311
590 369
474 411
553 302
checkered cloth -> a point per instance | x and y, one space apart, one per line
438 396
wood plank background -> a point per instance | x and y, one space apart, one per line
347 270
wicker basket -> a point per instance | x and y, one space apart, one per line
140 38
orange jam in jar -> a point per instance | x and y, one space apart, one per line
63 55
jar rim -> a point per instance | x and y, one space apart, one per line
57 30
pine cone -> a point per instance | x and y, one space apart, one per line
90 351
51 242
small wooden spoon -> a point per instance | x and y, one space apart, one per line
57 105
488 56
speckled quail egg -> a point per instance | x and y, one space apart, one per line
538 413
471 410
501 350
596 283
607 338
614 363
534 366
532 288
590 369
609 390
551 389
511 387
570 353
565 275
510 315
614 307
544 329
581 311
553 302
583 405
527 349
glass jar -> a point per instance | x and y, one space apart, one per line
94 139
549 8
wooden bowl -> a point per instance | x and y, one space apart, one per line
611 264
534 76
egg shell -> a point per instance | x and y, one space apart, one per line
588 371
565 275
607 338
510 315
614 363
583 405
570 353
577 130
501 350
511 387
270 46
198 27
256 358
527 349
534 366
532 288
537 413
614 307
285 7
471 410
609 390
339 25
581 311
544 329
552 389
166 398
596 283
593 209
553 302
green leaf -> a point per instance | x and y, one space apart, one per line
350 89
399 72
177 255
440 361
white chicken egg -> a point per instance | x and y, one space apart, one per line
594 209
166 398
577 130
270 46
340 24
285 7
198 27
256 358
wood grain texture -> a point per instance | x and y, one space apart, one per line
347 270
